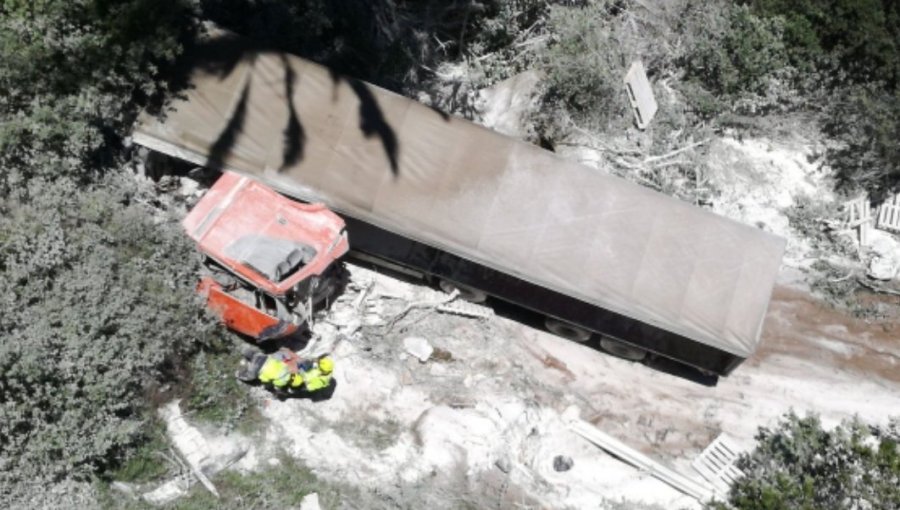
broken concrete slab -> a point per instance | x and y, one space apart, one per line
885 262
505 106
310 502
128 489
167 492
203 456
418 347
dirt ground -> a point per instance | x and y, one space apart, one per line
480 422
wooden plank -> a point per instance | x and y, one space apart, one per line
698 490
716 464
889 217
640 94
858 211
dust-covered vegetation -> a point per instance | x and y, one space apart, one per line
98 308
802 464
281 485
97 301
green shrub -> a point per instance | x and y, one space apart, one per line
584 64
860 38
215 395
733 55
799 464
98 305
864 121
280 486
72 76
809 217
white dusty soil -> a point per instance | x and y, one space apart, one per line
486 424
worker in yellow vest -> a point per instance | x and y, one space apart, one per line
280 371
316 377
286 374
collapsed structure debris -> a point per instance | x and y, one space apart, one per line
198 456
441 199
700 491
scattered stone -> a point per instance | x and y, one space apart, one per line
438 370
418 347
310 502
125 488
506 104
188 187
167 492
885 263
562 463
503 464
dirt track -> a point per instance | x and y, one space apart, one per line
803 327
812 359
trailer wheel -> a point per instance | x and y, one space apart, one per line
465 293
622 349
567 330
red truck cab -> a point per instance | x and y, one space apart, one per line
271 259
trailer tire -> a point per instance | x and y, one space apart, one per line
622 350
466 293
567 330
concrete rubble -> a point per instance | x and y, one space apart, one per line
310 502
418 347
885 261
202 455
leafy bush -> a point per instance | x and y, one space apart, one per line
736 57
861 38
799 464
584 64
849 52
865 123
98 305
215 395
283 485
72 76
393 43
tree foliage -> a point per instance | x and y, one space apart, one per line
836 60
584 64
857 39
864 121
98 299
98 305
73 73
851 51
737 57
801 465
392 43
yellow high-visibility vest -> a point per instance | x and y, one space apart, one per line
276 372
316 380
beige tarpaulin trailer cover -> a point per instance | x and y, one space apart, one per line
395 163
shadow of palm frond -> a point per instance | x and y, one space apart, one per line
371 119
294 134
227 138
